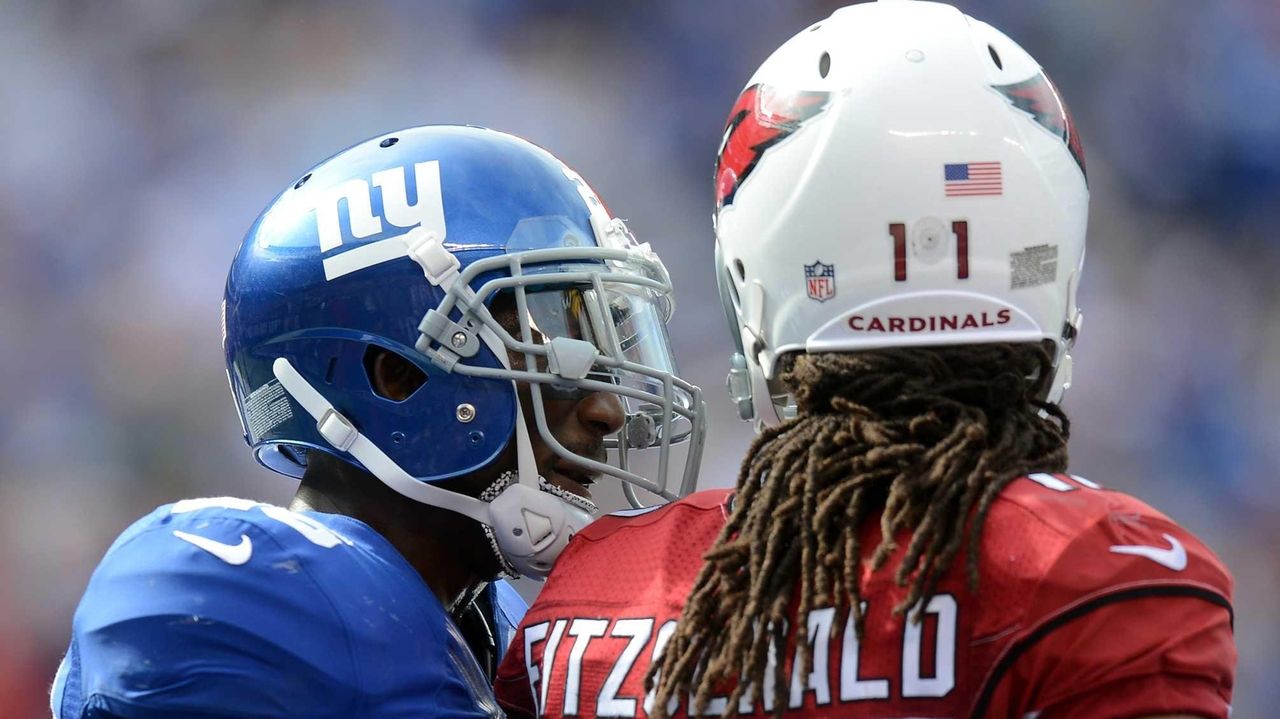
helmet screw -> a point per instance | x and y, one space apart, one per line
466 412
459 339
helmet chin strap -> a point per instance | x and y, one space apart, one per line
343 435
528 526
1061 380
531 507
1062 371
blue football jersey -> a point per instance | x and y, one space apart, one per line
229 608
508 611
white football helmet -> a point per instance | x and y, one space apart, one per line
897 175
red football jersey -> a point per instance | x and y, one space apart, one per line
1090 604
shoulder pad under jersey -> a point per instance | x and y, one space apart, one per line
1058 539
198 595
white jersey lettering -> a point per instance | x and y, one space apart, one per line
943 606
609 704
583 631
933 638
852 688
548 661
819 679
532 635
664 635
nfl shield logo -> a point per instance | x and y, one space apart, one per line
820 280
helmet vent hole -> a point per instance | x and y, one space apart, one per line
298 185
389 142
824 64
328 371
733 293
995 57
815 27
741 270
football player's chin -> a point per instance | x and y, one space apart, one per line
578 486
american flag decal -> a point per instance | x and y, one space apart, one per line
968 179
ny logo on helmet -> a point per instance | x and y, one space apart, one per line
427 212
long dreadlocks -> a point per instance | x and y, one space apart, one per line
922 434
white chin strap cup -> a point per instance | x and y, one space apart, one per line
532 527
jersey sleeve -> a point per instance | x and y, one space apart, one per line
168 629
1133 619
508 610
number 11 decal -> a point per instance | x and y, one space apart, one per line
898 231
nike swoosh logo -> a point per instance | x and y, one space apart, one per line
233 554
1175 557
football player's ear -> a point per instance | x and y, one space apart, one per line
390 375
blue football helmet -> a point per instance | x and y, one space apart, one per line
403 242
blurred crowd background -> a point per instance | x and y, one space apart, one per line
138 140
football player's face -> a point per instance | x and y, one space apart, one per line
579 420
580 425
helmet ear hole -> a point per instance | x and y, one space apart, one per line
740 270
391 376
995 57
824 64
732 288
